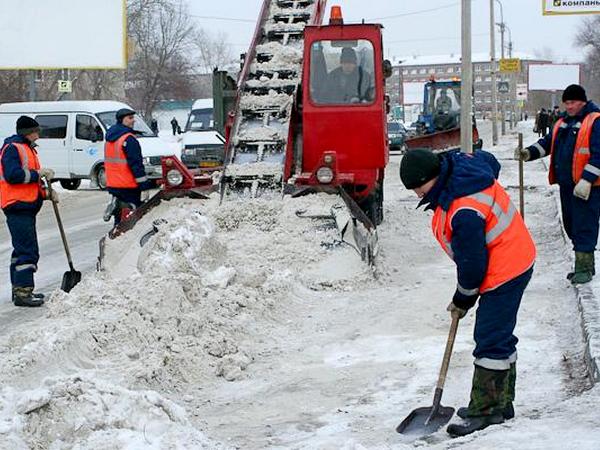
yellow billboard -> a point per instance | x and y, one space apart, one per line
567 7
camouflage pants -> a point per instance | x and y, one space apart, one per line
493 391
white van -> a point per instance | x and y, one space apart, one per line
203 146
72 138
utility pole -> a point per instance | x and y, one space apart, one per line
32 86
466 86
503 96
493 73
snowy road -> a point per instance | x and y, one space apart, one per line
302 349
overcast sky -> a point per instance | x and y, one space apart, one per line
433 32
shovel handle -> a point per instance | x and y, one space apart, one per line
60 226
447 354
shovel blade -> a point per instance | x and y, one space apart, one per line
70 280
417 424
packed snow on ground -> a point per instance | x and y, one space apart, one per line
246 326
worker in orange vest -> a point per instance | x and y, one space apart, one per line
478 226
124 164
21 195
574 148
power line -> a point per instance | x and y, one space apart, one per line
430 39
413 13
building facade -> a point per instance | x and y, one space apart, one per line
413 71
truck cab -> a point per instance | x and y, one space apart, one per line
344 112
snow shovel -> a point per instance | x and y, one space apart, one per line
71 277
428 420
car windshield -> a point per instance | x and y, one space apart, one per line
109 118
200 120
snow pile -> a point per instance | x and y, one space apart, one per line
282 54
273 100
81 413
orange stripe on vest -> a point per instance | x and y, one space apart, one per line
118 172
511 251
581 152
22 192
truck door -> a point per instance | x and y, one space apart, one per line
54 143
88 144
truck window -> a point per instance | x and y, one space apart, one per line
52 126
88 129
200 120
342 72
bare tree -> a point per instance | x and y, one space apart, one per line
213 50
161 32
589 39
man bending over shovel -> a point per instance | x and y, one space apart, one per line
477 225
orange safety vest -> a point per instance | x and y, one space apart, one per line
23 192
511 251
581 153
118 172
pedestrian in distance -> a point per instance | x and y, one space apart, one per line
124 164
174 125
480 229
154 126
574 149
21 195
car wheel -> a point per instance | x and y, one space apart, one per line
70 185
101 178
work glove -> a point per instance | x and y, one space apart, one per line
52 196
522 154
455 311
583 189
48 174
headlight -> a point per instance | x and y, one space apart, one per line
146 161
325 175
174 177
189 152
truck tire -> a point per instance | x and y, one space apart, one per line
101 177
70 185
373 206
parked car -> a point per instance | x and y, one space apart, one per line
72 138
203 146
396 135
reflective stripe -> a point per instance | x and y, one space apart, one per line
13 260
27 176
592 169
496 364
2 178
504 218
584 151
563 125
577 125
541 149
142 179
468 292
115 160
23 267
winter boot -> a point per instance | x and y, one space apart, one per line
488 401
509 411
570 275
584 268
23 296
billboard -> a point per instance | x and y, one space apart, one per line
413 93
63 34
562 7
552 77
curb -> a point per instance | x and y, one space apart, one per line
589 312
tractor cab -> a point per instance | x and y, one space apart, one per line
441 106
344 108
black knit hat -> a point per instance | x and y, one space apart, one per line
418 167
124 112
26 125
348 55
574 92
